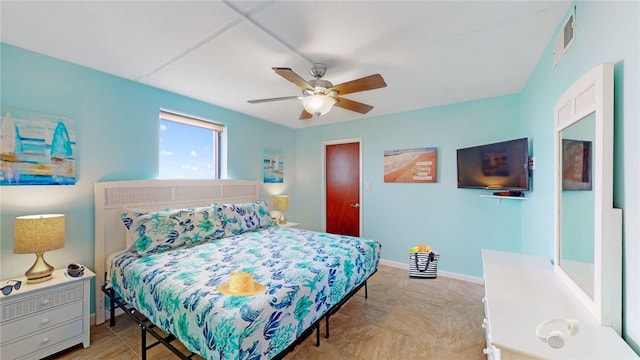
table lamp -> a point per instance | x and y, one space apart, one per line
37 234
281 204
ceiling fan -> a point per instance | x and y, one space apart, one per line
319 96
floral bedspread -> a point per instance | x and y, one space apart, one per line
305 273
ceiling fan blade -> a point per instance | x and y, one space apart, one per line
366 83
305 115
288 74
272 99
353 105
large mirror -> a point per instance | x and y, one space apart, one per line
588 239
577 201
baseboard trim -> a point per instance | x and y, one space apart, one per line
452 275
106 317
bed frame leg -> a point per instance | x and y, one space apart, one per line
112 312
318 334
366 290
143 341
327 324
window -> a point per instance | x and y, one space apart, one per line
189 147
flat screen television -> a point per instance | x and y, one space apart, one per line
498 166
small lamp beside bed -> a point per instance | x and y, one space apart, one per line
281 203
37 234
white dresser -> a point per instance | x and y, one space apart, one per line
521 291
41 319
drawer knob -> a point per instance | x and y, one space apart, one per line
45 321
45 301
45 340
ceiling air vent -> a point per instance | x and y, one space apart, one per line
564 38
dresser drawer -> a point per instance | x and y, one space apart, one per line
40 341
14 329
33 304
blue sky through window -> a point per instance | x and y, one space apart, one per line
186 151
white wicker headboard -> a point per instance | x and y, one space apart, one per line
112 197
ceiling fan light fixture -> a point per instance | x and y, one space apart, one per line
318 104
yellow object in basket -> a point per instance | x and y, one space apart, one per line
420 248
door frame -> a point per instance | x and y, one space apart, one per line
323 181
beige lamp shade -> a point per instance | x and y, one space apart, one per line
38 233
281 203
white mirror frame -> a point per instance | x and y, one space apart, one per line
593 93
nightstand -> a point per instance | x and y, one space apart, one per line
41 319
289 224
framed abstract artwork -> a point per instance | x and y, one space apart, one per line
36 149
273 166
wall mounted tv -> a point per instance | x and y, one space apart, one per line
498 166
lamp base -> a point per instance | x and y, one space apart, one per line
283 219
40 271
39 280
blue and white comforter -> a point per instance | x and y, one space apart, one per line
305 273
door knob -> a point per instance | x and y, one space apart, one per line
356 205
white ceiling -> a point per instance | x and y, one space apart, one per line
430 53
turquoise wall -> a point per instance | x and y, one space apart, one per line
605 31
117 139
457 223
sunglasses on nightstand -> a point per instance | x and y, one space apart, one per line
6 290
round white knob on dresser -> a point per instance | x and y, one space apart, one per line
44 321
45 340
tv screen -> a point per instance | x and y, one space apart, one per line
497 166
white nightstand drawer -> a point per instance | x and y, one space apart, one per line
11 330
30 305
40 341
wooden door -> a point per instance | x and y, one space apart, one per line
342 169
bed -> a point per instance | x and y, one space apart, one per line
307 275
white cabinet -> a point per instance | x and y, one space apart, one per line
522 291
41 319
289 224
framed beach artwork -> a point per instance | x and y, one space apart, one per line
411 165
36 149
273 166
